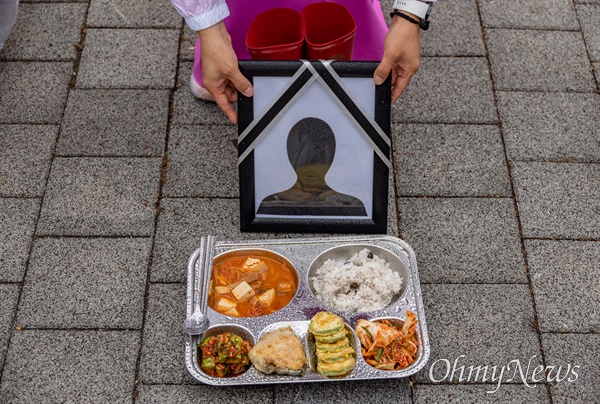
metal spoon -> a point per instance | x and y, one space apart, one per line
198 322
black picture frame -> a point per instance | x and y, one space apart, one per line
373 126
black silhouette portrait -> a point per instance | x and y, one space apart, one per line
311 149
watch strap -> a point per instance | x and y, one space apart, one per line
424 24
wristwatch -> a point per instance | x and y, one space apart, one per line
418 8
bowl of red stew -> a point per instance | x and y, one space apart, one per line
251 283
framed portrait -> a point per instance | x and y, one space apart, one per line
314 148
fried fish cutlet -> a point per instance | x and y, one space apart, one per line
279 351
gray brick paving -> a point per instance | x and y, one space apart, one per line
380 391
448 90
27 99
558 200
565 277
147 58
9 294
167 394
114 123
466 394
25 152
536 14
550 127
488 324
100 196
85 283
45 32
17 225
539 60
67 366
127 14
162 360
454 160
202 162
92 153
187 109
463 240
453 31
575 350
589 16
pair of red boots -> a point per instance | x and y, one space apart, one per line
320 31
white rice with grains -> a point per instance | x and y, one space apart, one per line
358 285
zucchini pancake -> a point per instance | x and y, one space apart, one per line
335 356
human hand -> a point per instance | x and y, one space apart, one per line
221 76
401 55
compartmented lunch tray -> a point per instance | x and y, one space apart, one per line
297 314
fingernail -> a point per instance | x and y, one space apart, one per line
378 80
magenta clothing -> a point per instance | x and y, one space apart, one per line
371 27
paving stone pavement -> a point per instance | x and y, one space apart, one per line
110 171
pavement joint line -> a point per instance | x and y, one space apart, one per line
393 172
455 197
156 28
594 240
89 236
587 49
39 212
38 60
19 197
533 29
78 52
495 125
162 181
547 91
73 329
123 88
587 163
100 156
473 283
535 322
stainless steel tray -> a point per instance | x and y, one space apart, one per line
301 253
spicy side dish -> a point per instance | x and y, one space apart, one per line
360 284
224 355
279 351
335 356
250 286
386 346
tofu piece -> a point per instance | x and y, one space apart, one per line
225 304
254 265
232 312
253 300
251 277
221 290
267 298
285 287
243 292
